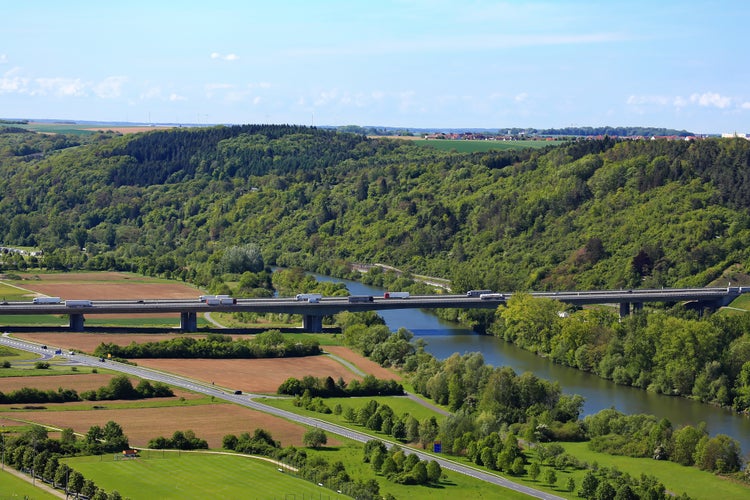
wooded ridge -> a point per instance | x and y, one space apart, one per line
588 214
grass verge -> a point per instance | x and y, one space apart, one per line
12 487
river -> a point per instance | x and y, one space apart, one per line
445 338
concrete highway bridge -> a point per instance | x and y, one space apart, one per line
313 312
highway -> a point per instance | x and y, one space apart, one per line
313 311
250 401
332 305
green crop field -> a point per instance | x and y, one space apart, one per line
183 476
55 128
482 146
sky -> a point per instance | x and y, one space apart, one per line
396 63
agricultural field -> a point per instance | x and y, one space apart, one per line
250 375
104 286
184 476
85 128
142 422
482 146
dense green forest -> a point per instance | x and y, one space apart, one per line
589 214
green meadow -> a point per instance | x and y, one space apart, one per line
676 478
187 475
12 487
12 294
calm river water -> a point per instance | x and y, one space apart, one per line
445 338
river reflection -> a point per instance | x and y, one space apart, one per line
444 338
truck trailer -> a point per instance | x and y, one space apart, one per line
78 303
360 298
218 300
46 300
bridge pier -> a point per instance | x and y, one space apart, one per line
188 322
624 309
312 323
76 322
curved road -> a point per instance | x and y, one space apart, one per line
247 401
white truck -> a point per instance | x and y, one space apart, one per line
220 300
396 295
78 303
46 300
492 296
309 297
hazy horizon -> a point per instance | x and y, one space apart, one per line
403 63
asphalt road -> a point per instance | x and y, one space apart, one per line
248 400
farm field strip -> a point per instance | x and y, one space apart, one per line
194 475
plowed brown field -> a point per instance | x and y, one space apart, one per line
209 422
106 286
249 375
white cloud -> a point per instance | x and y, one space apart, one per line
3 59
175 97
224 57
745 105
711 99
60 87
110 87
521 97
12 82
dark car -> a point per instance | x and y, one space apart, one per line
44 347
238 392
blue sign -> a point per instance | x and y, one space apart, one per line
437 447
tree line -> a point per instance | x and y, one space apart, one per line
119 387
269 344
34 452
326 387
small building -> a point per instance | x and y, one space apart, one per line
130 453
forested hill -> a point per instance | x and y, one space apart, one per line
590 214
